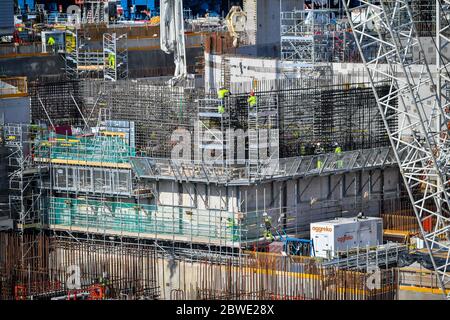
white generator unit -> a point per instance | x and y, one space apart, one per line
343 234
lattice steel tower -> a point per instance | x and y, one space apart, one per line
388 29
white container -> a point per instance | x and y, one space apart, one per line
420 244
343 234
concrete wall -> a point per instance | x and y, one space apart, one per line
263 25
140 63
416 295
32 67
302 200
290 193
15 110
248 68
197 195
6 17
429 48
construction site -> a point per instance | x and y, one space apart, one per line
253 150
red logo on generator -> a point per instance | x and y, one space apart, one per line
344 238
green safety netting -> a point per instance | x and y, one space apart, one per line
141 218
112 149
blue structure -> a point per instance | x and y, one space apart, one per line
6 17
26 6
296 246
132 9
299 247
51 6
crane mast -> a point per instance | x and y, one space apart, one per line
391 52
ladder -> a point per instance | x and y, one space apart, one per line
212 127
263 136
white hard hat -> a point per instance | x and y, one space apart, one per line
265 214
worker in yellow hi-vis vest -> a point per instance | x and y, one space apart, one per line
111 60
221 95
302 150
267 233
51 43
252 101
319 150
338 151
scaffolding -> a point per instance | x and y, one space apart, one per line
169 223
263 135
81 60
98 186
94 12
26 196
72 43
295 167
313 36
115 175
213 130
107 149
115 56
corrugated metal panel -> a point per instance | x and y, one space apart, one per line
6 17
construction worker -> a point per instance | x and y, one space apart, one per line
111 60
231 225
337 148
221 95
267 227
319 164
252 101
302 150
338 151
318 151
51 43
